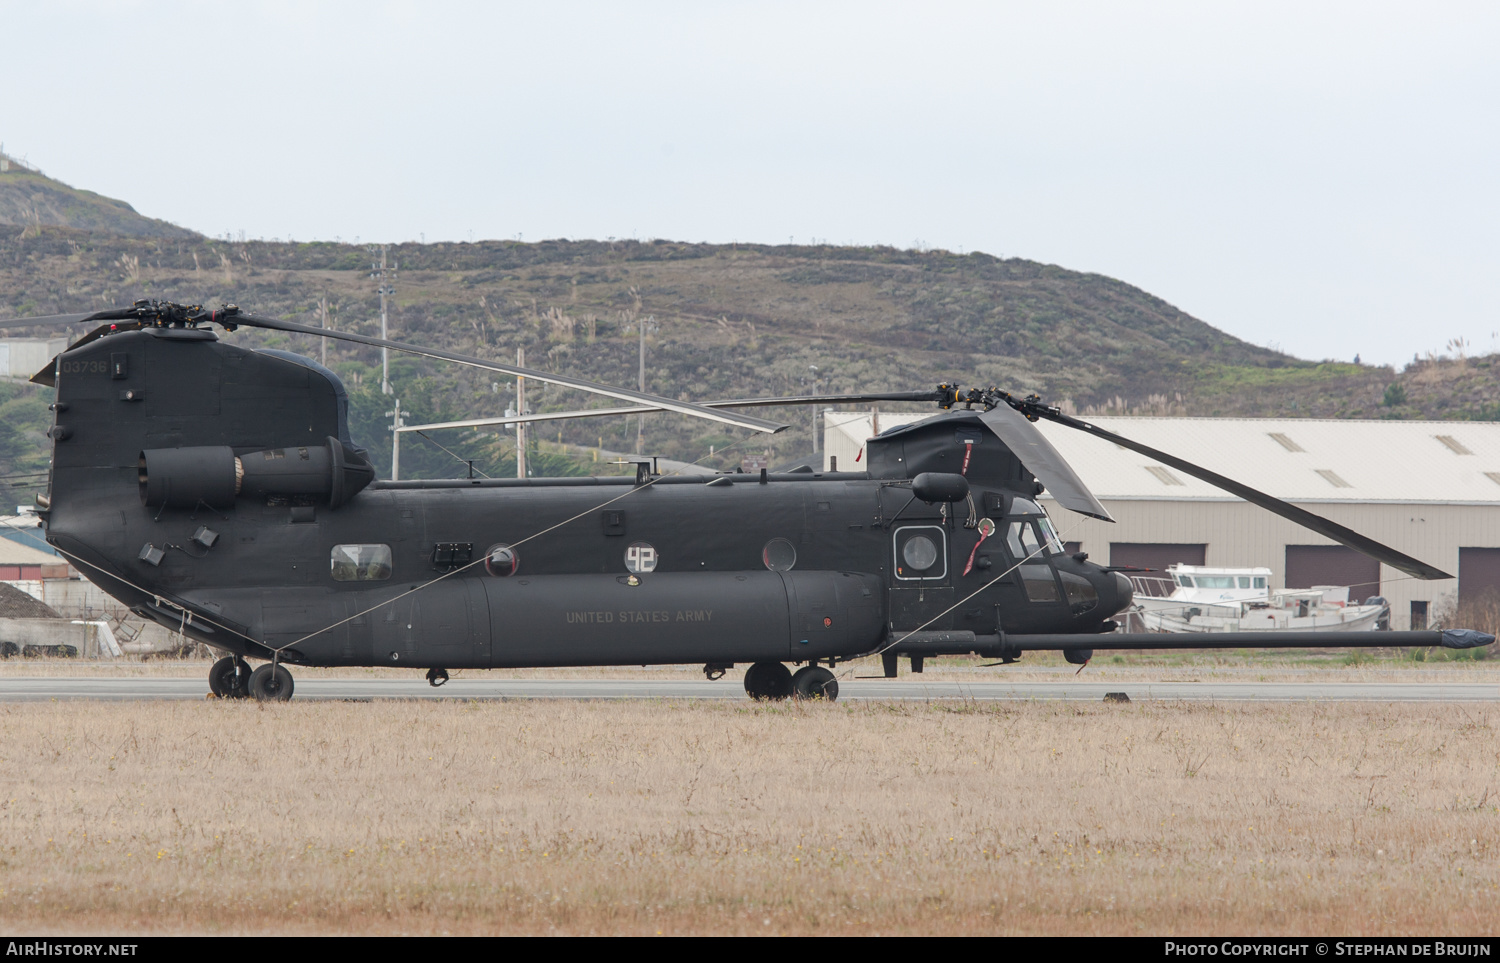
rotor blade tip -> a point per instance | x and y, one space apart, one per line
1465 638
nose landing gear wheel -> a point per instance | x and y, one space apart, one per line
815 682
229 678
271 683
768 680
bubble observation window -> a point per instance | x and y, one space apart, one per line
779 555
919 553
640 558
502 560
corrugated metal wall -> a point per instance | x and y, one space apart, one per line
1239 534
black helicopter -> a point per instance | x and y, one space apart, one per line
215 489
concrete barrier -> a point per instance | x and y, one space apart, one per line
17 634
89 639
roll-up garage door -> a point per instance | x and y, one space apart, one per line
1309 565
1478 573
1156 556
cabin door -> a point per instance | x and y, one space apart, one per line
921 583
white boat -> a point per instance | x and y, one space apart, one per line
1196 598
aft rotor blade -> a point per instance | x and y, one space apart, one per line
1043 461
46 319
655 401
1317 523
647 409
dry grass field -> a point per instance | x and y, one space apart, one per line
1250 665
735 818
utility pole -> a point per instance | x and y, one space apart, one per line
520 410
397 423
323 342
640 420
387 277
813 370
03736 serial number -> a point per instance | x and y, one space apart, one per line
84 367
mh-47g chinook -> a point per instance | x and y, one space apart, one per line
215 489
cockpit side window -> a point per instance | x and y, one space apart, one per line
1021 539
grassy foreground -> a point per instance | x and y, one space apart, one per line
706 817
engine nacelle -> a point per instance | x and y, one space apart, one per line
215 476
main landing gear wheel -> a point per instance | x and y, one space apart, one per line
229 678
271 683
768 680
815 682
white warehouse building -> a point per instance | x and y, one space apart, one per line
1430 489
20 358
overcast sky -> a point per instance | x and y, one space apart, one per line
1318 177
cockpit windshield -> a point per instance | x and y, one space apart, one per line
1049 535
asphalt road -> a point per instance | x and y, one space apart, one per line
41 690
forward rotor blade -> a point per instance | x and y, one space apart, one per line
528 419
655 401
1316 523
1043 461
827 399
647 409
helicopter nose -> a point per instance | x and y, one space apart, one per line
1124 593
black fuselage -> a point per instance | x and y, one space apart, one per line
215 489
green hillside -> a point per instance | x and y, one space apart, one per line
29 200
728 321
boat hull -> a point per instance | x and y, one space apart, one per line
1200 617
